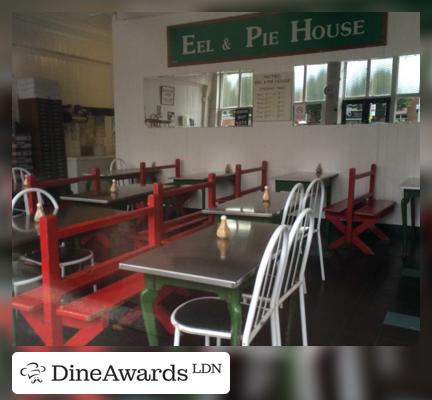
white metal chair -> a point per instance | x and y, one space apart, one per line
116 164
68 256
293 205
314 199
300 239
209 316
18 178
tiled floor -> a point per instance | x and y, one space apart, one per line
364 301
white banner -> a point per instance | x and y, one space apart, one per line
121 373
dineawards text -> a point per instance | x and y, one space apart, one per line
112 374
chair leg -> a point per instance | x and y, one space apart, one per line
275 328
320 249
207 340
62 271
303 316
176 337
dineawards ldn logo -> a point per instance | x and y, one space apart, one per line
121 373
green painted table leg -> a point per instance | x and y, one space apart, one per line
148 296
404 209
234 307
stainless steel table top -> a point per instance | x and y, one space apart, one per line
203 258
125 193
24 230
305 176
202 177
411 184
252 205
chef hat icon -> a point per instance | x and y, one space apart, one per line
33 371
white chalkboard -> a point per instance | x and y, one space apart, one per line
272 97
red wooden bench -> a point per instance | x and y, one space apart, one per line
239 172
175 228
238 191
33 182
42 307
357 214
144 169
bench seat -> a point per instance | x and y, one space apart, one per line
30 301
94 305
378 208
337 208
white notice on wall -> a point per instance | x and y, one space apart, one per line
272 97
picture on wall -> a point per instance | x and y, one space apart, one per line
167 95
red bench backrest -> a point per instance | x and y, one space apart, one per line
161 194
144 170
53 287
238 192
32 182
353 201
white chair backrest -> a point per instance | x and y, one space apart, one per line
117 164
18 178
267 286
293 205
40 193
314 199
300 239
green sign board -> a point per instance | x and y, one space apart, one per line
272 35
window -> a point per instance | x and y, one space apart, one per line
309 84
368 78
408 89
368 87
409 74
235 91
356 75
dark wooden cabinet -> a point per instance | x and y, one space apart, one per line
43 118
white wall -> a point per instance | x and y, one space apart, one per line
140 51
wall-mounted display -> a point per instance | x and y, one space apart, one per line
262 35
272 97
167 94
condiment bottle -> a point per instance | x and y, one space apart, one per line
113 188
223 231
39 213
266 194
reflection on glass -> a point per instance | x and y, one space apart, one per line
227 118
233 209
298 82
377 112
356 72
246 89
313 113
409 74
408 109
230 90
354 113
381 77
316 81
248 209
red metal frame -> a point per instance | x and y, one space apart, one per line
358 214
238 192
144 170
40 306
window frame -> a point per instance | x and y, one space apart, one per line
303 97
220 109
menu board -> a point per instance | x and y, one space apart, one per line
272 97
